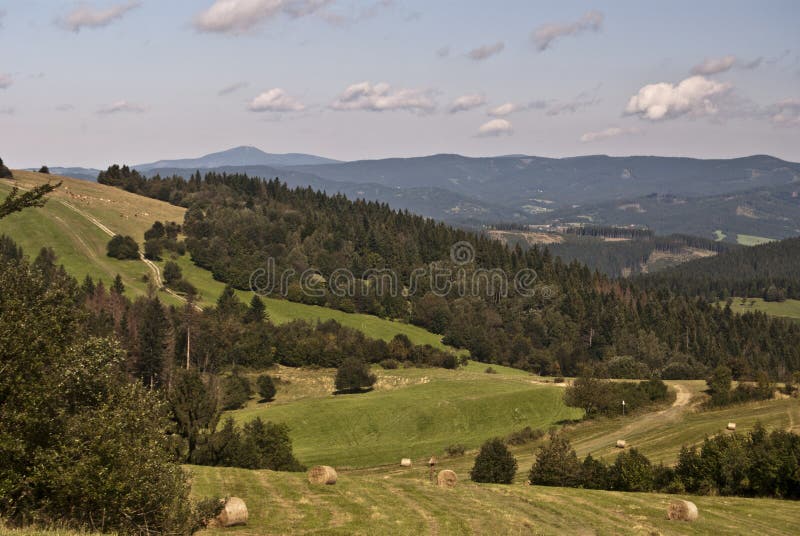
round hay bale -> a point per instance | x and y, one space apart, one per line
621 443
446 479
731 426
322 474
405 462
233 513
682 511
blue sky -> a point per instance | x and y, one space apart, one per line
126 81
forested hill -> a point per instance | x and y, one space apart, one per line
565 317
770 271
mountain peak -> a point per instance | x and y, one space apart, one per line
242 155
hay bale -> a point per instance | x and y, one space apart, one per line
405 462
731 426
682 511
233 513
446 479
621 443
322 474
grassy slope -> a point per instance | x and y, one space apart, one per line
412 413
402 501
750 240
81 247
787 309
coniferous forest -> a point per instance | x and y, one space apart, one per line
235 223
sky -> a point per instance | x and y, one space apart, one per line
125 81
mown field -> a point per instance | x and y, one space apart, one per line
81 247
786 309
403 501
412 413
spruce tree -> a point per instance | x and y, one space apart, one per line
495 464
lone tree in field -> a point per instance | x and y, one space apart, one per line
172 273
123 248
5 173
266 387
353 375
45 170
494 464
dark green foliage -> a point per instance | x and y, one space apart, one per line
603 397
594 474
632 471
236 391
45 170
494 463
456 449
172 273
524 436
75 437
257 445
5 173
719 385
118 287
257 311
153 249
123 248
15 202
556 464
353 375
195 405
266 387
152 331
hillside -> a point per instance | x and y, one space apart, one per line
73 222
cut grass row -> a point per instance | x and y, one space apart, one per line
403 501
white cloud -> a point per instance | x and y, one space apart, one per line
66 107
275 100
503 109
9 110
711 66
381 97
571 106
122 106
239 16
611 132
227 90
486 51
496 127
86 16
695 96
785 113
752 64
467 102
5 81
544 35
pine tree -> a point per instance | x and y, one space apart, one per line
152 340
118 287
495 464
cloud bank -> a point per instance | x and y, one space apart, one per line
275 100
496 127
381 97
694 96
543 36
486 51
240 16
711 66
785 113
86 16
467 102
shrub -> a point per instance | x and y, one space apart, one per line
45 170
632 471
524 436
353 375
390 364
456 449
236 392
266 387
490 370
556 464
123 248
594 474
5 173
172 273
153 249
494 464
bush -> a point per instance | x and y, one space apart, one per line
556 464
236 392
390 364
594 474
490 370
456 449
153 249
353 375
524 436
266 387
123 248
45 170
172 273
632 471
494 464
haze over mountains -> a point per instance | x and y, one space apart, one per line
756 195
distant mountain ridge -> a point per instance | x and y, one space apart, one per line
239 156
